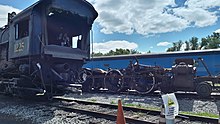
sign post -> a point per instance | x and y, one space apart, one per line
171 107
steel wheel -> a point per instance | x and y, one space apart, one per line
87 81
83 75
145 83
204 89
113 81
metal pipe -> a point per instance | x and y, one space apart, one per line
62 67
205 66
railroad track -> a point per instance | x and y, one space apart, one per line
137 115
100 113
179 95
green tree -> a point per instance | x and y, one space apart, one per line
187 46
110 53
97 54
194 43
204 43
209 42
149 51
122 51
119 51
173 48
216 35
179 45
134 52
214 41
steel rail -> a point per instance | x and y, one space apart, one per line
101 115
178 95
104 115
134 109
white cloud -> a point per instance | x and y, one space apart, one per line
151 47
149 17
204 4
163 44
112 45
4 10
200 17
217 31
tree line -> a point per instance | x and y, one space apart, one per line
209 42
119 51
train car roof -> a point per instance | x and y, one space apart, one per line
38 3
157 55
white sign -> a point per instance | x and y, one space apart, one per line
171 105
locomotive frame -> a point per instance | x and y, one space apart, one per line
144 79
38 53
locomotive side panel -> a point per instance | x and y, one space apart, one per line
20 36
37 33
5 63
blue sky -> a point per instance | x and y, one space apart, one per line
142 25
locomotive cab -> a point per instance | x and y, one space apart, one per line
49 26
68 30
65 29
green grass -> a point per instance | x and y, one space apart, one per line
130 105
93 100
217 85
140 106
204 114
113 103
151 108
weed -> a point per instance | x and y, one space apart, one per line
204 114
112 102
93 100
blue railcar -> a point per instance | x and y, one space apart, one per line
166 60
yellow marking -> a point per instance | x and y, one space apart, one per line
19 47
170 101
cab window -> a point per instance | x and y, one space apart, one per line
22 29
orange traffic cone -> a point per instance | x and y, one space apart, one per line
120 114
162 116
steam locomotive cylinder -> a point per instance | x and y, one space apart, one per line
62 67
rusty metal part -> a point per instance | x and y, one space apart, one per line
145 79
136 77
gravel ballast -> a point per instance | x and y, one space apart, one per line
32 112
186 105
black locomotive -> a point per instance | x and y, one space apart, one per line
43 48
